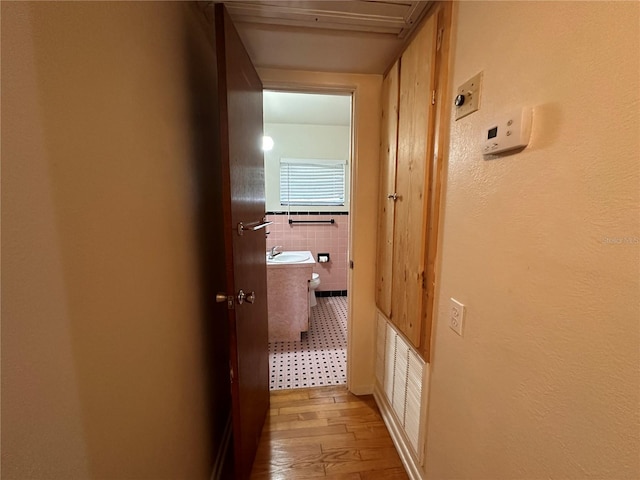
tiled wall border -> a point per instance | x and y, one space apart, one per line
331 293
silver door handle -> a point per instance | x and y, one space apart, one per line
393 196
223 297
252 227
246 297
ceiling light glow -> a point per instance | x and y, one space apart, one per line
267 143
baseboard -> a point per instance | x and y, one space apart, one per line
221 456
413 470
361 389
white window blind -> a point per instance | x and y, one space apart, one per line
312 182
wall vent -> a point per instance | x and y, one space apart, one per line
370 16
389 361
401 372
381 339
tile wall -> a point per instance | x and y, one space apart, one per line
318 238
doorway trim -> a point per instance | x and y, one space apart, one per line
365 140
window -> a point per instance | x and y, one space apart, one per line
312 182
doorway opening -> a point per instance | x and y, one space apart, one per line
308 159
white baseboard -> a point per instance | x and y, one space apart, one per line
361 389
408 460
221 456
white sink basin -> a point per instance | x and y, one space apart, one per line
290 257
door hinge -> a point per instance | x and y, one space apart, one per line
433 97
439 39
351 264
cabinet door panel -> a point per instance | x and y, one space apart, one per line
386 208
415 131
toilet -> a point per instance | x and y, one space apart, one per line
313 284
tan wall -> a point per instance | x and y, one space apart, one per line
103 369
364 192
543 248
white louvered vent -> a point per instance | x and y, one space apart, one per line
403 379
381 338
373 16
413 404
400 378
389 361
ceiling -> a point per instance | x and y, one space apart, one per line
306 108
355 36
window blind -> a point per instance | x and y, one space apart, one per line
312 182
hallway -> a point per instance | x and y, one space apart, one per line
328 433
119 243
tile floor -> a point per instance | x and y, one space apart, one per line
320 358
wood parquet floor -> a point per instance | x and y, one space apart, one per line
325 432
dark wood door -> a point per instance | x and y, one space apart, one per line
240 94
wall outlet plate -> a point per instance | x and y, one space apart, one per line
456 316
468 96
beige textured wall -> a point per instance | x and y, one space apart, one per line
361 330
103 372
543 248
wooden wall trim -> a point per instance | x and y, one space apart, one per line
440 147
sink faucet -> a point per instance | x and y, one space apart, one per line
273 252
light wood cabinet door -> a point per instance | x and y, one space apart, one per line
386 208
415 140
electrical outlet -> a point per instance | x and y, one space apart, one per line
468 96
456 316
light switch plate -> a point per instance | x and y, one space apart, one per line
470 93
456 316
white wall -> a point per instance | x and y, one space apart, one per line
304 141
543 247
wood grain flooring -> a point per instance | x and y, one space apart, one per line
325 432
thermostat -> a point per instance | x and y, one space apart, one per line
509 132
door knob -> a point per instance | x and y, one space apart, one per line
221 297
393 196
246 297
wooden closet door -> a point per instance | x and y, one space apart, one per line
386 206
415 140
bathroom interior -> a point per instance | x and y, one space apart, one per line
307 154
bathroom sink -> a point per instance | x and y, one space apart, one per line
290 257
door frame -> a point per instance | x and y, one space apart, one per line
332 90
365 138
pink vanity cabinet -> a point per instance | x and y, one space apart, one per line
288 300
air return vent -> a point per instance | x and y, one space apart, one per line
381 338
395 17
400 372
